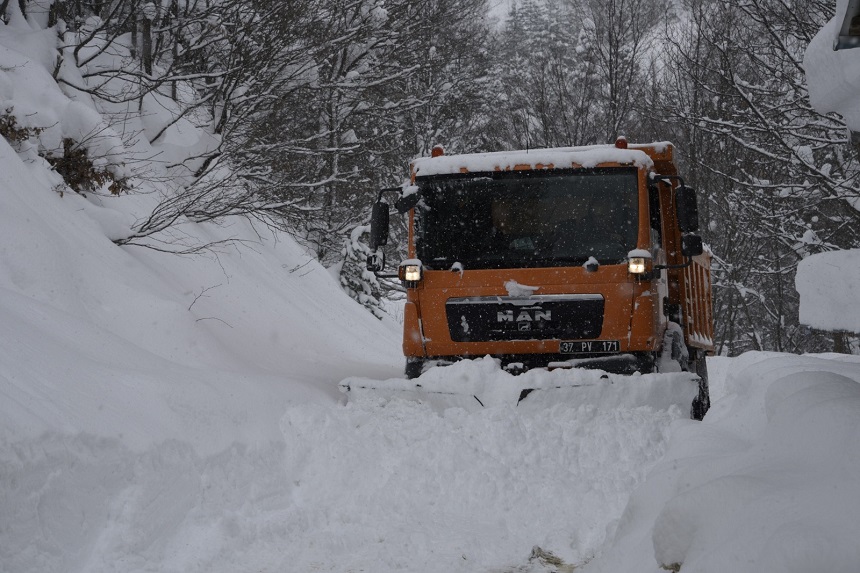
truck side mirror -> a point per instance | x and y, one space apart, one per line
691 245
379 225
376 262
688 209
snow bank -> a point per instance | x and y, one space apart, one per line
829 287
767 482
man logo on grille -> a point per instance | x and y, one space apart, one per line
527 316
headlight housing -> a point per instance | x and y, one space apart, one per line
639 263
411 271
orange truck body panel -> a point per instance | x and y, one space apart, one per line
628 316
633 308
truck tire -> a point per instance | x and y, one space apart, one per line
646 363
414 367
702 402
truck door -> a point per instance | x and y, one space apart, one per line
660 288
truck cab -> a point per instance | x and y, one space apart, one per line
567 257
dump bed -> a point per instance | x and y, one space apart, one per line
695 288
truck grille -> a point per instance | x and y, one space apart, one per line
480 319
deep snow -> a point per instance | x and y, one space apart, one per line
167 413
767 482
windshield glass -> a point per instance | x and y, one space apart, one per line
527 219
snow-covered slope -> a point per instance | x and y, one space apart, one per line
141 392
136 387
79 312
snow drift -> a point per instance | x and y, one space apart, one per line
767 482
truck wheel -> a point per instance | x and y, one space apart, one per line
702 402
646 363
414 367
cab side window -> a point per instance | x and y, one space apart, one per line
654 213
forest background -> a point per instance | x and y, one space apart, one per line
315 105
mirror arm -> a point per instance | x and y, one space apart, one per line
672 267
678 177
655 272
387 190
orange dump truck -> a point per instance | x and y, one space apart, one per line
568 257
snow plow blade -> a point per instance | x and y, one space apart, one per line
476 384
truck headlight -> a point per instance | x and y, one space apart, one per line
637 265
410 272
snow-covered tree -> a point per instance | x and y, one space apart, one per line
779 177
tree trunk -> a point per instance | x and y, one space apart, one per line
855 141
133 48
147 46
840 343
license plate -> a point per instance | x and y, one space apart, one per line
589 346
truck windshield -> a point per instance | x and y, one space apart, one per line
527 219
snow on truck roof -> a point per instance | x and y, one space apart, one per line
554 158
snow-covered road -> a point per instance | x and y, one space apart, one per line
374 485
391 485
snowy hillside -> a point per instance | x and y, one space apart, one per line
170 413
135 383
